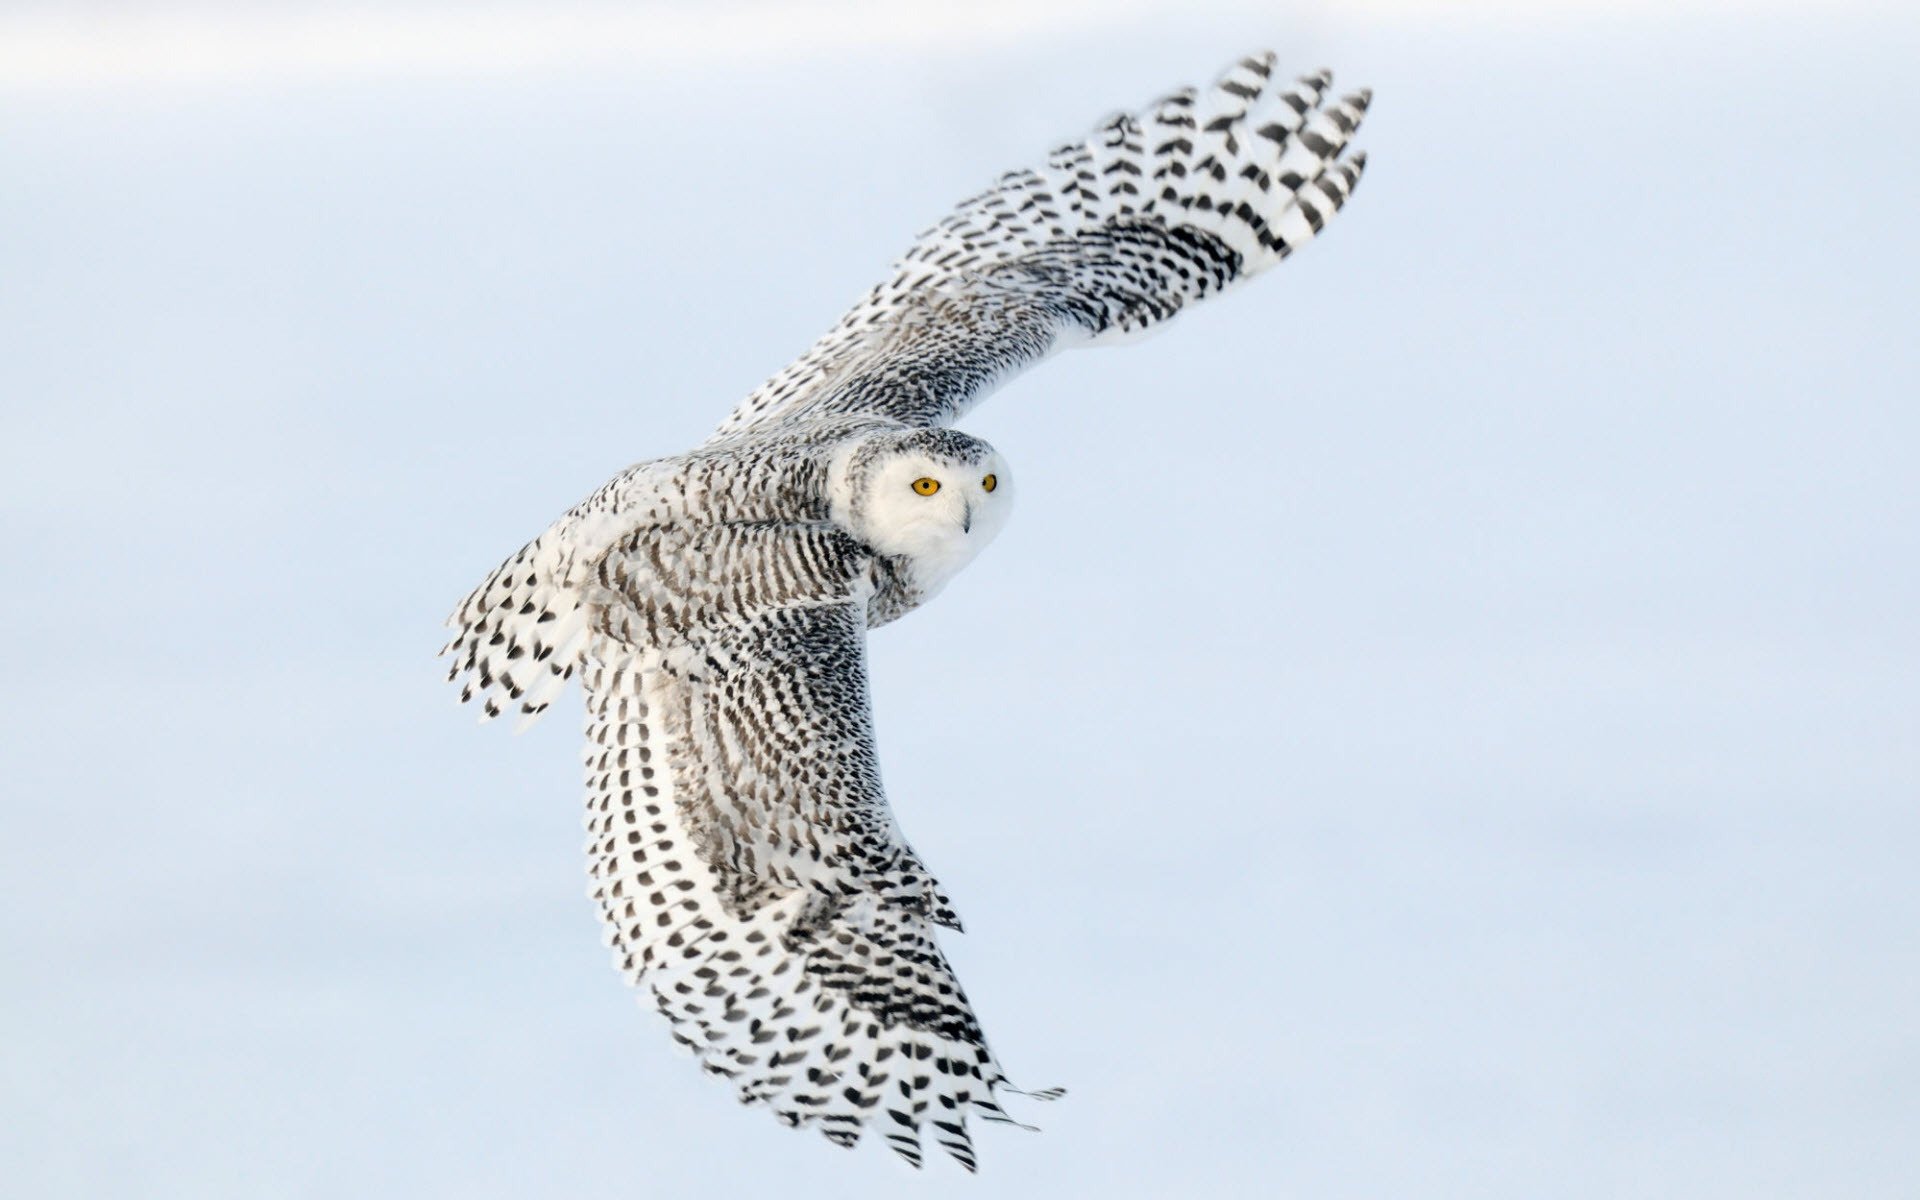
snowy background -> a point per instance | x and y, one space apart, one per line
1444 721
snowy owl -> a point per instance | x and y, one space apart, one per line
715 605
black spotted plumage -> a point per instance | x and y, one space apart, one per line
750 875
1112 235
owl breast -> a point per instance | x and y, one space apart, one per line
896 592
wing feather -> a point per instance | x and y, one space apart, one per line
1112 235
748 869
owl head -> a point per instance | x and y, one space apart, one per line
935 496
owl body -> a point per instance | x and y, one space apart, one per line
748 870
673 516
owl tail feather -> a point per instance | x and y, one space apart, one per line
517 638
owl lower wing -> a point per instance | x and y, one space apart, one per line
1110 236
749 871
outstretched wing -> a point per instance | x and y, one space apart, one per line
743 855
1113 234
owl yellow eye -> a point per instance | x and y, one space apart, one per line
926 486
990 482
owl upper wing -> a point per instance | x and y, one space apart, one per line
743 855
1111 235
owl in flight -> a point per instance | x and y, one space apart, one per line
715 605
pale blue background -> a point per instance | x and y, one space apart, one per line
1441 723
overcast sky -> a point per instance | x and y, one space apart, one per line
1440 723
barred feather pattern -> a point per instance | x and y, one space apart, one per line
742 854
1113 234
518 637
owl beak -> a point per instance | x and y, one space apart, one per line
966 518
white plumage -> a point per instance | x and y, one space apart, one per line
751 877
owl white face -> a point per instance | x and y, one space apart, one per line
936 507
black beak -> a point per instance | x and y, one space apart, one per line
966 519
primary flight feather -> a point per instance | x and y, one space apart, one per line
716 604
